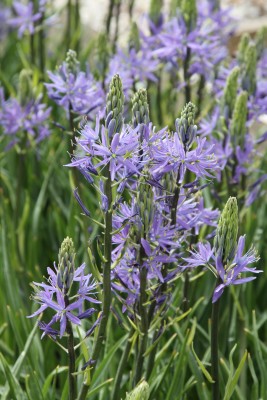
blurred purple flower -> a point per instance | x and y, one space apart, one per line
31 118
25 19
76 91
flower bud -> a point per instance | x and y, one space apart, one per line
260 41
134 38
189 12
155 12
72 63
140 109
230 92
242 47
225 241
238 125
102 54
114 106
145 199
25 91
66 265
185 125
140 392
249 75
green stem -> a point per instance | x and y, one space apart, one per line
42 45
121 368
109 16
215 350
187 76
151 359
32 49
71 353
77 24
69 25
144 324
200 94
106 278
116 35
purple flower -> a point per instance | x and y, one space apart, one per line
25 19
78 91
229 274
4 17
49 295
16 120
133 67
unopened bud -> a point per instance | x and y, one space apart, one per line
230 92
66 267
185 125
25 91
238 125
134 39
225 241
189 12
249 75
114 106
72 63
140 392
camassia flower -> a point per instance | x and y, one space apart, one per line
18 119
226 260
66 292
25 18
74 89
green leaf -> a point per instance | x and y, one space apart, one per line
15 388
233 378
202 366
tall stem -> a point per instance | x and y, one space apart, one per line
121 368
41 51
109 16
71 353
116 35
214 350
144 325
69 25
106 277
187 76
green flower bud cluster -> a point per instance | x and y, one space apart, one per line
25 89
230 93
260 41
145 201
102 55
175 4
242 47
189 12
66 266
185 125
114 106
155 11
140 109
238 124
72 63
140 392
134 38
225 241
249 69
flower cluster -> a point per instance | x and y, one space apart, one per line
73 89
63 280
226 260
150 231
24 124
